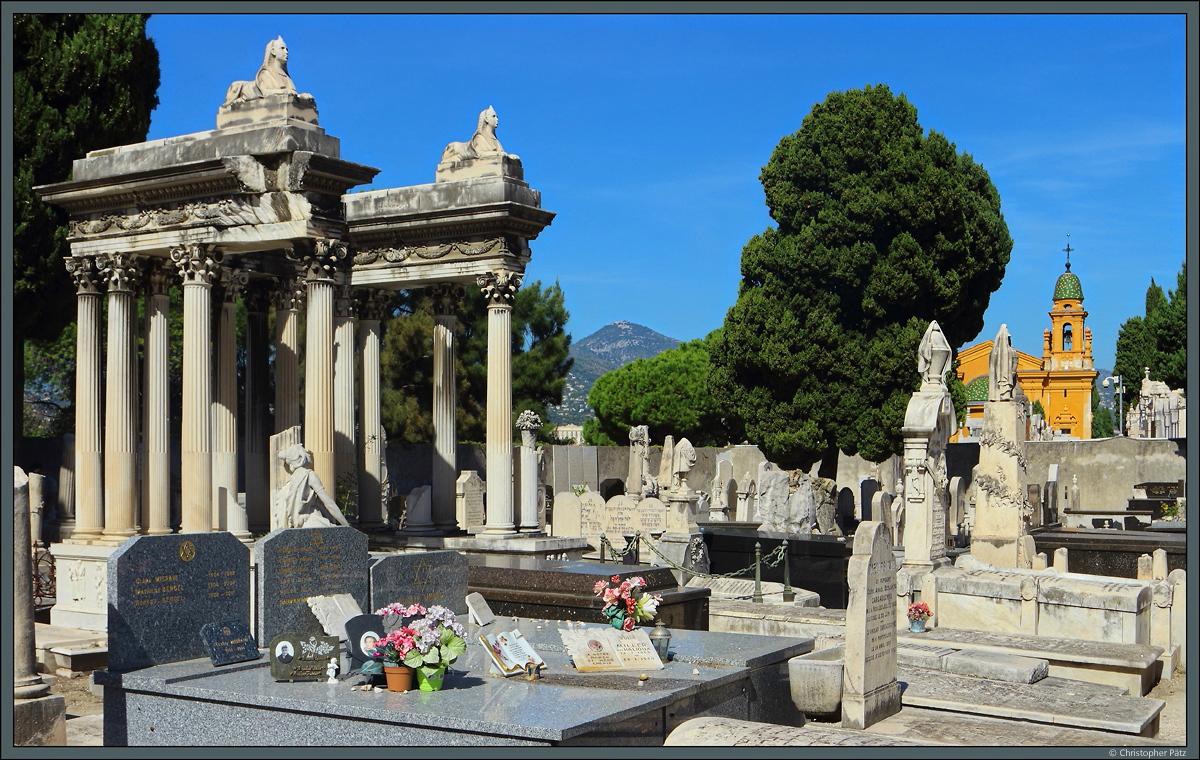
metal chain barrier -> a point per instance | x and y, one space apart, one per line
606 549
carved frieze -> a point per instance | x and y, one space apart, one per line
497 246
84 271
500 288
218 212
197 263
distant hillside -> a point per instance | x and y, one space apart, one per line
606 349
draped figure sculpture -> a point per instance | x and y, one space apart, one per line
303 500
1002 367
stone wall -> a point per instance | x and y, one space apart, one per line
1108 468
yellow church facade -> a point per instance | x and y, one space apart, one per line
1061 380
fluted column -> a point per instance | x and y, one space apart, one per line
289 299
227 514
197 266
345 304
89 450
527 512
372 510
120 405
257 430
499 288
321 265
156 404
445 402
27 684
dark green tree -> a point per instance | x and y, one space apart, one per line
1102 417
539 364
669 393
881 228
80 82
1157 341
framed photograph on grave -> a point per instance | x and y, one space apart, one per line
296 657
362 632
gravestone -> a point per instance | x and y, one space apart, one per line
428 578
302 657
296 563
229 642
362 633
1033 492
468 498
771 506
163 589
870 691
620 518
567 508
724 499
651 516
477 607
591 517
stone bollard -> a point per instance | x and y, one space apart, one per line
1145 568
1040 561
1060 559
1158 565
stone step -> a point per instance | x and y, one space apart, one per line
1056 701
69 650
996 666
731 732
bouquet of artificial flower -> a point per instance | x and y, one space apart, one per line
396 615
626 603
438 640
919 611
392 648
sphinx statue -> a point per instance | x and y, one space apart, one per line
481 156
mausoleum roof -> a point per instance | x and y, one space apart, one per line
1068 286
977 389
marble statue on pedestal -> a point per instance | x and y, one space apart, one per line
684 459
272 77
1002 367
303 500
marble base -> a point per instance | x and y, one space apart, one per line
81 572
40 722
519 544
862 710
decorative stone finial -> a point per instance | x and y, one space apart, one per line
933 356
1002 367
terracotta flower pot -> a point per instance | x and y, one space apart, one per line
433 682
399 677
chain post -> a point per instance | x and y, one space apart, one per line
603 548
758 597
637 547
789 595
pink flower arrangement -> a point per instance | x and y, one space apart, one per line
393 647
625 602
919 611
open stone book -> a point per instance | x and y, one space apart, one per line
607 649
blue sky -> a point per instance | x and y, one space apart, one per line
646 134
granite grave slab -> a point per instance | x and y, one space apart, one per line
229 642
163 589
296 563
428 578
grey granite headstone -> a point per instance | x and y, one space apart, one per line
163 589
228 642
296 563
428 578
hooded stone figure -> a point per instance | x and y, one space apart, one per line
303 500
1002 367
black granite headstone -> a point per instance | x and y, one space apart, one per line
296 563
427 578
296 657
362 631
163 589
229 642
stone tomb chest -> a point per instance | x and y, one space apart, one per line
563 590
163 589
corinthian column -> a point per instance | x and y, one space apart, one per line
227 515
321 265
529 424
156 442
372 509
289 298
89 451
257 432
499 288
445 402
198 265
344 449
120 412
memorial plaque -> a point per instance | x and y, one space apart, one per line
163 589
481 613
427 578
296 563
229 642
597 650
591 517
296 657
870 690
469 490
651 516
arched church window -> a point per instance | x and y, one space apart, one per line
1066 338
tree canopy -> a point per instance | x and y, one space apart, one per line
1157 340
880 229
80 82
669 393
539 363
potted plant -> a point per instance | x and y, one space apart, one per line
626 603
918 613
389 657
438 640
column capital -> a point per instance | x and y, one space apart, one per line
445 297
233 282
345 302
197 263
257 296
158 276
86 274
321 258
500 288
291 294
374 304
122 271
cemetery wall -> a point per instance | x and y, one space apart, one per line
1108 468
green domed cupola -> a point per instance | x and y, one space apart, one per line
1068 286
